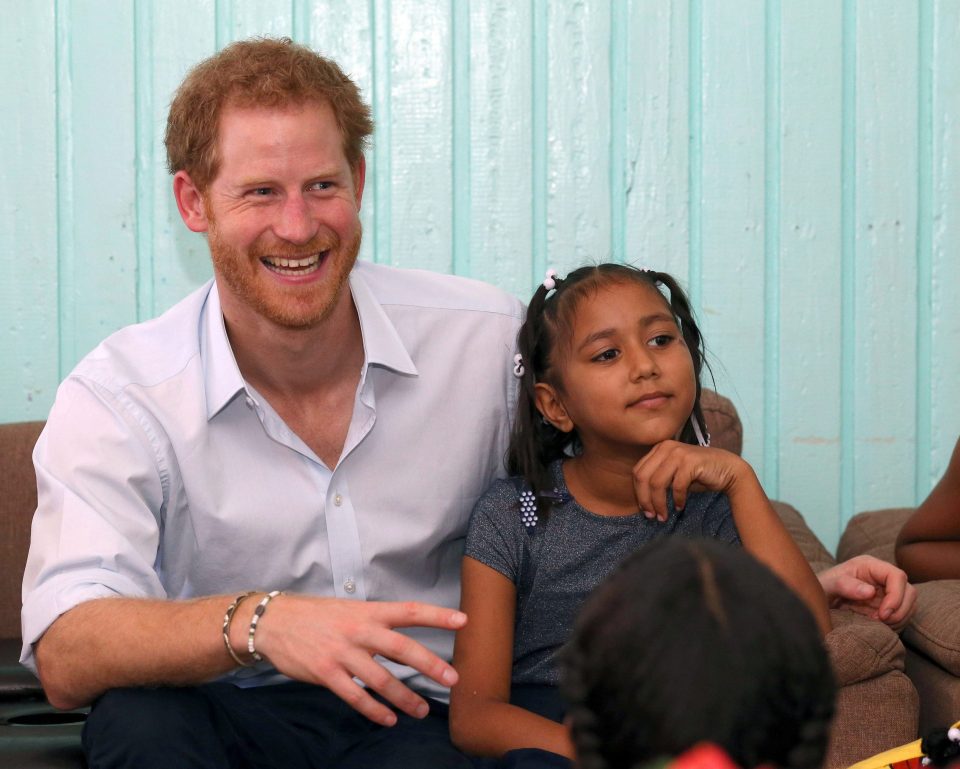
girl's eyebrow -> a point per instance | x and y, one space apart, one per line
645 321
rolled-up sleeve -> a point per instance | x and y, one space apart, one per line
100 494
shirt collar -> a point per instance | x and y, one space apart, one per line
222 378
382 345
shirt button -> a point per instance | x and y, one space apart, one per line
338 500
250 402
349 585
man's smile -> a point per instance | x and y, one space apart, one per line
302 266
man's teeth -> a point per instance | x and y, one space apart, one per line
293 266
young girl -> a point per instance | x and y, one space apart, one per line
608 453
688 642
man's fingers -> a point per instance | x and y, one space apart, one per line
399 648
380 680
416 614
357 698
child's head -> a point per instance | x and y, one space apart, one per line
692 641
611 355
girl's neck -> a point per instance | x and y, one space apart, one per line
602 485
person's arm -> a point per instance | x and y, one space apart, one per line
117 642
928 546
677 466
869 586
482 720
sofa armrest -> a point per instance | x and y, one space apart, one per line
873 533
812 548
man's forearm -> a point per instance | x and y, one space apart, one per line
108 643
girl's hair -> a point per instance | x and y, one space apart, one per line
535 443
691 641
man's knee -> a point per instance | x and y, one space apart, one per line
153 727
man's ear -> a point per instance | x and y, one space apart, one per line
190 202
551 407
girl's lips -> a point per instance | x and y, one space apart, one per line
651 401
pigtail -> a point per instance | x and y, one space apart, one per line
683 312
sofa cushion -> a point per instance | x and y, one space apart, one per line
723 422
861 648
873 533
935 628
18 500
811 547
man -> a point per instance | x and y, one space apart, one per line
304 423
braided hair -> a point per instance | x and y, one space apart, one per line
535 443
690 641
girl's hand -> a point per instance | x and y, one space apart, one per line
680 466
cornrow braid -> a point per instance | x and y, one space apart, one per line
691 641
535 443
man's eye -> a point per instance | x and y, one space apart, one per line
321 185
261 192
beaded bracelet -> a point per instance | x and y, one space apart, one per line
227 619
255 619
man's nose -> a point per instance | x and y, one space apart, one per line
295 222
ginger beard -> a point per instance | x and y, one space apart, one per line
290 305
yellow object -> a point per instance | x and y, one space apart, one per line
906 755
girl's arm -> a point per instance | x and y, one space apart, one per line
482 720
928 546
676 466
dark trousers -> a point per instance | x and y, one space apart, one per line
287 726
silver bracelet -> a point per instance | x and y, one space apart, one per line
255 620
227 619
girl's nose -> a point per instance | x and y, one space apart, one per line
643 364
295 223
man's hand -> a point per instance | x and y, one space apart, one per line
871 587
329 641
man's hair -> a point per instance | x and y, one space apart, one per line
260 72
690 641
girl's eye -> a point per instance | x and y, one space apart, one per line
661 340
606 355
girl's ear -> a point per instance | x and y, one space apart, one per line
551 407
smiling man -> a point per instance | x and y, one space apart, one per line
251 509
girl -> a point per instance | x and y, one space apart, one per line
691 641
608 453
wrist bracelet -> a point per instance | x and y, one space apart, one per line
227 618
255 619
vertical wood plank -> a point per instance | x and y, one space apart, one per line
96 121
944 219
501 133
733 208
578 125
810 246
885 300
421 135
657 142
28 224
251 18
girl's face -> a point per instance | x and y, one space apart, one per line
626 375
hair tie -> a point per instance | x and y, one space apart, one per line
550 282
518 365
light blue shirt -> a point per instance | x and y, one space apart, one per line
162 474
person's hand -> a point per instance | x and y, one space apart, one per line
329 641
680 467
871 587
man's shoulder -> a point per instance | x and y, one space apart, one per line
149 352
395 286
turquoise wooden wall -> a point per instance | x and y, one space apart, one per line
795 162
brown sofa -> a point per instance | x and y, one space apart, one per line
877 705
932 639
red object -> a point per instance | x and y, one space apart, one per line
706 755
